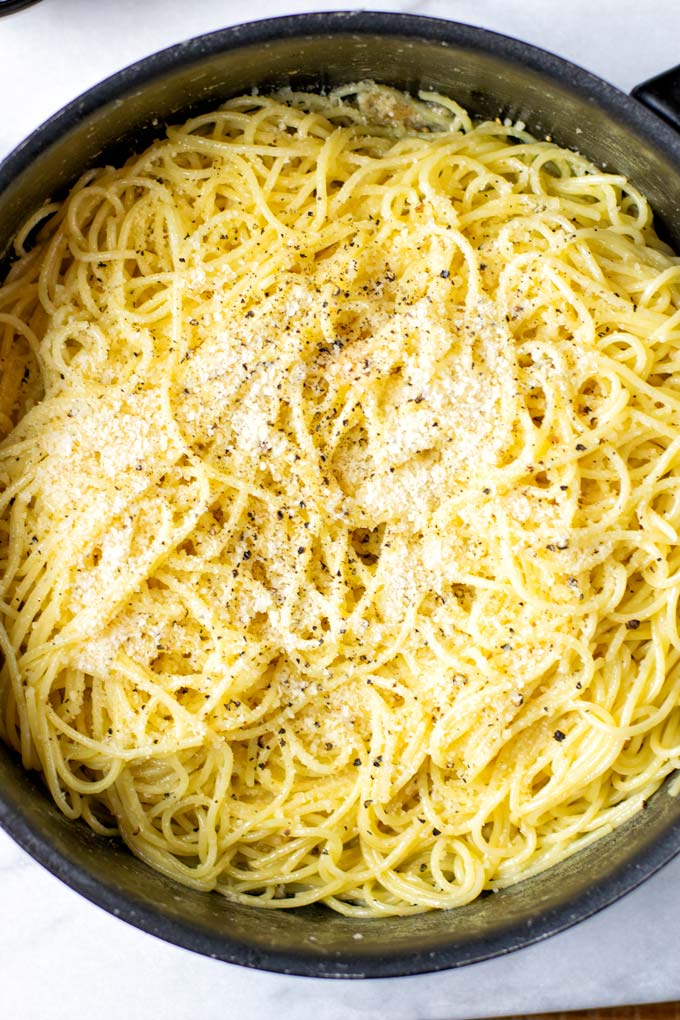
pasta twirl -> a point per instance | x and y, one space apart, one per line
340 502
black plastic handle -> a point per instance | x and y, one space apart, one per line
662 95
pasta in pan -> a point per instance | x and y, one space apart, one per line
340 502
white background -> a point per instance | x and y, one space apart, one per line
62 958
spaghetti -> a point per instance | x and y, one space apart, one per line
340 502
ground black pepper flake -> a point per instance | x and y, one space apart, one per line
559 736
632 624
436 832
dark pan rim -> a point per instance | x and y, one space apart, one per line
436 30
650 129
546 923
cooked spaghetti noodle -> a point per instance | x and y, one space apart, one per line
340 502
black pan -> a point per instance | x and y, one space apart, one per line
491 75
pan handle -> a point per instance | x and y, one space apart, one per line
661 94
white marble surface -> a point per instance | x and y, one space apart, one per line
62 958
